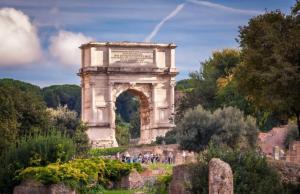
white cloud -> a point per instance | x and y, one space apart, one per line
162 22
19 40
64 47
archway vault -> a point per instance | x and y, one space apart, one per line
146 70
143 93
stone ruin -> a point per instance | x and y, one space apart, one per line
220 177
147 70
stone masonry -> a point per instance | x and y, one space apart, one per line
220 177
147 70
33 187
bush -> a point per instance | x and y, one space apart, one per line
158 186
170 138
67 121
97 152
80 174
162 183
81 141
251 172
225 126
38 150
122 133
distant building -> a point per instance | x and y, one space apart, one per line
275 137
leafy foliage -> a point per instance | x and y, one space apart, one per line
8 121
63 95
80 173
215 86
19 85
251 172
122 131
127 118
225 126
24 111
204 82
81 140
127 104
97 152
269 75
185 85
170 138
162 183
38 150
66 121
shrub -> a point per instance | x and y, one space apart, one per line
97 152
67 121
160 185
80 174
169 138
81 141
38 150
251 172
226 126
122 133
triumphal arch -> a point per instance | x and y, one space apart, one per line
147 70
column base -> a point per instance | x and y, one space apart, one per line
102 137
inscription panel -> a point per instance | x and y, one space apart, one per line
132 56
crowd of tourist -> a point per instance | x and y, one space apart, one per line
146 158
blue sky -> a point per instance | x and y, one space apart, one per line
197 27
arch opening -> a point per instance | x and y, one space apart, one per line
132 116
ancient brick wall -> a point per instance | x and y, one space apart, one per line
289 171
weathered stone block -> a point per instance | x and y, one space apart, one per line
33 187
180 179
132 181
220 177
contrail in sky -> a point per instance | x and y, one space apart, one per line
201 3
225 8
162 22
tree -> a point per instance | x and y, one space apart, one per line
206 89
64 119
269 75
22 103
61 95
128 117
226 126
251 172
127 105
67 122
122 131
8 121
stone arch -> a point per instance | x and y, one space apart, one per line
143 93
110 68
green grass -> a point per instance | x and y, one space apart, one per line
167 167
119 191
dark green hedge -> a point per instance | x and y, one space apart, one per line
97 152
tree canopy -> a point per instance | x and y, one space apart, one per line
269 75
228 127
61 95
